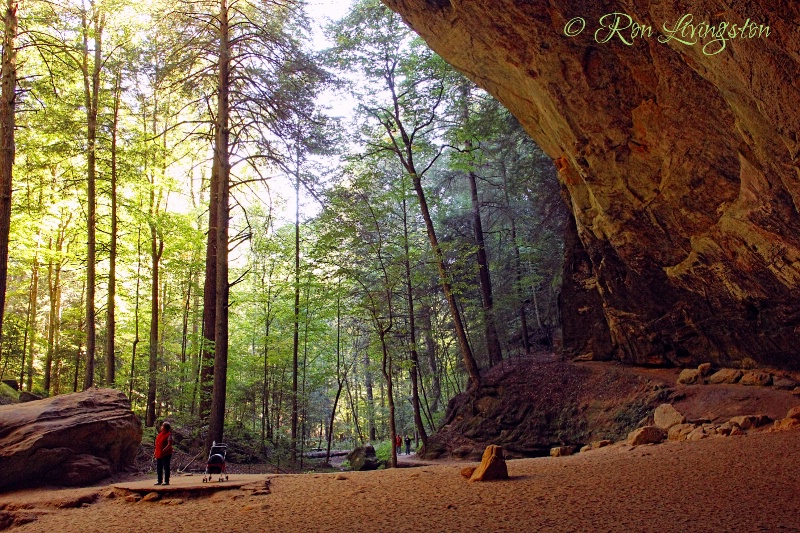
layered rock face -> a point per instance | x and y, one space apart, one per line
72 439
680 164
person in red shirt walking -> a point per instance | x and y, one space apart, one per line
398 442
163 452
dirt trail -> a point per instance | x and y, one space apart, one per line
745 483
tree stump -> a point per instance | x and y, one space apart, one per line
493 465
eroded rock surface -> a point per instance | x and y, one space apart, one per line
682 169
71 439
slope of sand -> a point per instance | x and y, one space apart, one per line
743 484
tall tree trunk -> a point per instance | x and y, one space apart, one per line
370 398
493 349
92 95
52 286
210 294
340 376
222 162
54 294
136 339
412 330
33 309
386 369
79 352
196 354
8 79
156 249
430 347
112 260
296 342
185 332
265 385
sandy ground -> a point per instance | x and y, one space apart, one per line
739 484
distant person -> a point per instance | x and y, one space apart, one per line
408 445
163 452
398 442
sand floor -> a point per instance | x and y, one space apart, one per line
739 484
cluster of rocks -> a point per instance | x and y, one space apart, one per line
670 424
759 378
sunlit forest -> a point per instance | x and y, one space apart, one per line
195 223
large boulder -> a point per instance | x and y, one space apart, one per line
72 439
679 163
363 458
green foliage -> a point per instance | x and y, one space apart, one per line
383 450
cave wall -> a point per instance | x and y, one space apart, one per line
681 168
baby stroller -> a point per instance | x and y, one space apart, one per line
216 462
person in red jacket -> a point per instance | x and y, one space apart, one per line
398 442
163 452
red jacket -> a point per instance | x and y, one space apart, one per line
163 444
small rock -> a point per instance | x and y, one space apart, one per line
176 501
756 378
467 471
786 423
726 375
562 451
697 433
602 443
586 448
132 498
493 465
690 376
736 430
794 412
750 421
152 497
680 431
725 429
784 383
796 391
704 369
646 435
667 416
340 477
